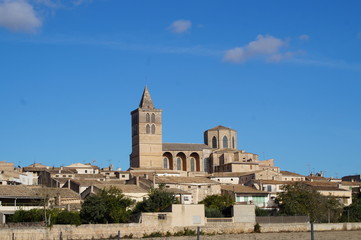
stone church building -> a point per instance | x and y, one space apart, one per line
217 154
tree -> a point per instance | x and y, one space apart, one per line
56 216
352 213
218 205
109 206
158 200
300 199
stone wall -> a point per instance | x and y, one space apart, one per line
104 231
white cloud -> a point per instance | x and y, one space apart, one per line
262 46
180 26
281 56
18 16
304 37
49 3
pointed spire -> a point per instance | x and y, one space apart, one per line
146 102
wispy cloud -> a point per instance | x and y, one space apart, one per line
329 63
304 37
19 16
24 15
59 3
264 46
180 26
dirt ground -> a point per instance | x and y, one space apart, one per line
343 235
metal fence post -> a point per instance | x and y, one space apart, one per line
118 235
329 216
312 233
13 236
61 236
198 233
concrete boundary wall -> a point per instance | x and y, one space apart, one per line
104 231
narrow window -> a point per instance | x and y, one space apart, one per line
147 129
153 129
205 164
192 164
214 142
147 117
179 161
153 118
165 162
225 142
233 143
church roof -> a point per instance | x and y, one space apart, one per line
184 147
146 101
220 127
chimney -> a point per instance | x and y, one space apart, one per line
137 180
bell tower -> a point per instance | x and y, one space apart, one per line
146 134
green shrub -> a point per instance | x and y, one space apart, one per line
67 217
153 235
213 212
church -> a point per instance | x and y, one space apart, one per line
218 153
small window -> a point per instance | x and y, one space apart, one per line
153 118
179 161
86 171
64 175
69 175
192 164
147 118
165 162
225 142
57 175
147 129
123 176
189 186
153 129
162 216
167 186
214 142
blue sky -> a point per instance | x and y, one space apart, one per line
285 74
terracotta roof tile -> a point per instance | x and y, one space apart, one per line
184 147
238 188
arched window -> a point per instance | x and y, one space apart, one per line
147 117
147 129
179 162
214 142
192 164
153 129
153 118
165 162
225 142
233 143
206 164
